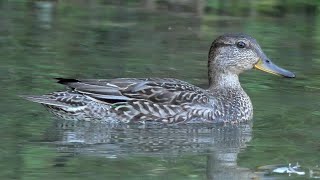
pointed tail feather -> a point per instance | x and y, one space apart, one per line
45 100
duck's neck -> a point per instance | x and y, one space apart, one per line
223 80
232 101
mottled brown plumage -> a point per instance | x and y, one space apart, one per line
169 100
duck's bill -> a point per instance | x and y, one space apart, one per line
266 65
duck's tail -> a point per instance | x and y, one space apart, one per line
71 105
45 100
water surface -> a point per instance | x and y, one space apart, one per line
43 40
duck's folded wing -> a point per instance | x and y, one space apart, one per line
157 90
96 88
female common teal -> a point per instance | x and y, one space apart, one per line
169 100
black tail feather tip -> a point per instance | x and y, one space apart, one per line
65 80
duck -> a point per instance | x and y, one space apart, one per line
169 100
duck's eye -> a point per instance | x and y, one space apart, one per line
241 44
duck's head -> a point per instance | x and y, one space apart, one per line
236 53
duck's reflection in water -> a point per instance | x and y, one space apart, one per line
220 144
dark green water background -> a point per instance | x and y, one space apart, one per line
93 39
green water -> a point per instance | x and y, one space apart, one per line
90 39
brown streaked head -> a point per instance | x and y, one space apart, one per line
236 53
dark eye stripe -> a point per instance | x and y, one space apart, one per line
221 44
